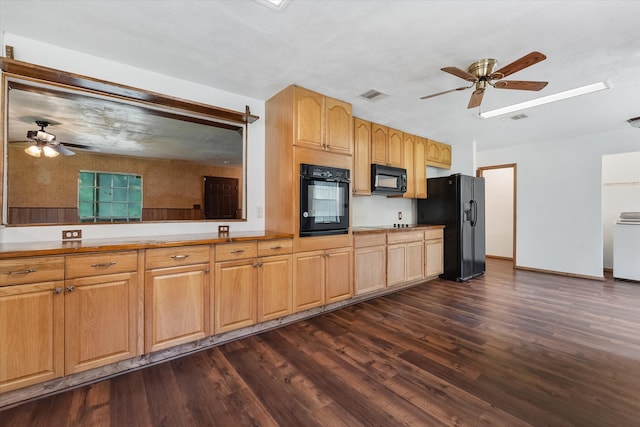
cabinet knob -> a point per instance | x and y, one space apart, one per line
71 288
57 290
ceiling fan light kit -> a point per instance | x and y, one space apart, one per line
482 72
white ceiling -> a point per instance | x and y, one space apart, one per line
344 48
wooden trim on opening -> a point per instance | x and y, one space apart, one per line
560 273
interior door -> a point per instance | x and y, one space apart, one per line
220 197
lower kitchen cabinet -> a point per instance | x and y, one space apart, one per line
405 257
370 255
434 252
235 294
322 277
31 334
100 316
177 296
274 287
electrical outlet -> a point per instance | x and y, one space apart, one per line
399 216
71 234
223 229
259 212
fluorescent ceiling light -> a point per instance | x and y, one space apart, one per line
277 5
546 99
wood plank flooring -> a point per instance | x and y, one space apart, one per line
513 348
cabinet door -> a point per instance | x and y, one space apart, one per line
396 260
339 126
371 269
379 144
309 124
396 152
308 280
434 264
415 261
274 287
409 147
433 152
31 334
339 274
361 157
176 305
100 321
445 155
235 294
420 168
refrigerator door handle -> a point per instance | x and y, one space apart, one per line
474 217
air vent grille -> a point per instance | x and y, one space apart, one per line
519 117
372 95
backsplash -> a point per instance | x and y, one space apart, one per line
370 211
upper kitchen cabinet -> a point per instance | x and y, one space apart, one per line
322 123
386 146
438 154
361 177
408 148
420 167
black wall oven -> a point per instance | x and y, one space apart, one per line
324 200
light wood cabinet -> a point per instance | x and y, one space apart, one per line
322 123
434 252
31 331
405 257
370 259
409 164
386 146
100 309
438 154
253 289
322 277
420 168
361 179
177 296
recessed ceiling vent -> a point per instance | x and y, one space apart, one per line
519 117
372 95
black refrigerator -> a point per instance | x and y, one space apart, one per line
457 201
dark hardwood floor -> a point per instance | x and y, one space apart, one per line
513 348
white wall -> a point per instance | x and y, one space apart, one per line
79 63
620 193
559 194
498 184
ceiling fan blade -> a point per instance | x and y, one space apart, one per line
520 85
460 73
81 147
476 98
519 64
446 91
61 149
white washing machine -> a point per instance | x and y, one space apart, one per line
626 250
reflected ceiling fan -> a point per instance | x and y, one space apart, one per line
46 144
482 73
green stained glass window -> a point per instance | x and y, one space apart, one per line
109 197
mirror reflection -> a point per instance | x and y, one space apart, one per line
74 157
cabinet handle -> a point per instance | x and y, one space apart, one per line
71 288
275 248
14 273
103 264
57 290
237 251
206 271
176 257
256 264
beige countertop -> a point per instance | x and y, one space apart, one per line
387 229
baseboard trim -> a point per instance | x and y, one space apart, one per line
561 273
504 258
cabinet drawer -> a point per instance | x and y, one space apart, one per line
404 236
275 247
366 240
241 250
31 270
434 234
176 256
101 263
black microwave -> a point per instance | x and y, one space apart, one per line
388 180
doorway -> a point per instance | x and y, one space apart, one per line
500 214
220 198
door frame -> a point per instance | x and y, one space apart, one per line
514 166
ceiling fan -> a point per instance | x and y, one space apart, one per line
46 144
482 72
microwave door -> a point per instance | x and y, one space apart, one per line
387 181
